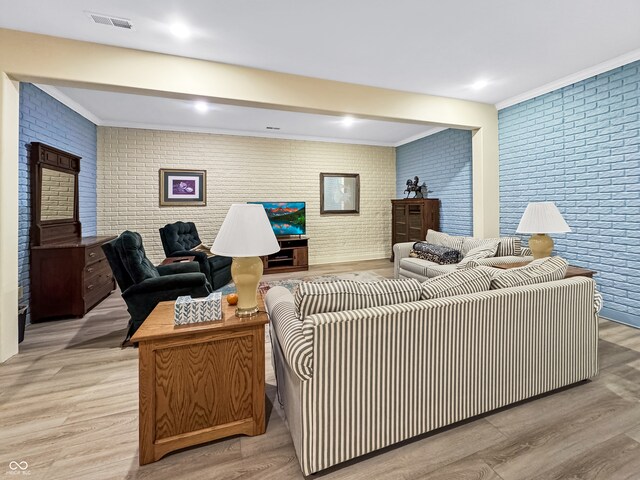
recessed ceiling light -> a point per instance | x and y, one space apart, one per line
347 121
479 85
180 30
201 106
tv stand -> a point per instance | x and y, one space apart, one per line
292 257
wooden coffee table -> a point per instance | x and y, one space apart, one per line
199 382
572 271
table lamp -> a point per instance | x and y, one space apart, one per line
245 235
539 219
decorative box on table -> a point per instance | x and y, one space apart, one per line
194 310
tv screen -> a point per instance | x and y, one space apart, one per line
287 218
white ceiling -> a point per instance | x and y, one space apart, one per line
140 111
518 48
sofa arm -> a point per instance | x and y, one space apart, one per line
297 350
176 268
400 251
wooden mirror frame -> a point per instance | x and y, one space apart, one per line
356 209
44 232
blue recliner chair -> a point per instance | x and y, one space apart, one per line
143 285
179 238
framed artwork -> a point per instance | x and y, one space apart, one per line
339 193
183 187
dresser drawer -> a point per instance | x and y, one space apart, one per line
97 281
93 253
92 269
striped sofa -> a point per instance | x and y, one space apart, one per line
405 266
353 382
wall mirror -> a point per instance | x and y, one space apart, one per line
57 195
339 193
54 195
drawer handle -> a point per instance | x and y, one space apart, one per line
90 269
92 254
90 287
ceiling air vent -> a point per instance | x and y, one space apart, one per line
273 128
110 21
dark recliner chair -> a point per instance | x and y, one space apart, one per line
143 285
179 238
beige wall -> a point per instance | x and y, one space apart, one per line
241 169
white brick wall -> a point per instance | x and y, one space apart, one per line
241 169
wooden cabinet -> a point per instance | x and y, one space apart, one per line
68 279
199 382
292 257
412 217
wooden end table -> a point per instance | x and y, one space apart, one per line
572 271
170 260
199 382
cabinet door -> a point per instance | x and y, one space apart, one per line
415 226
400 227
300 257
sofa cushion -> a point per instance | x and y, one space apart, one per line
439 238
134 258
508 246
435 253
460 282
341 295
486 250
539 271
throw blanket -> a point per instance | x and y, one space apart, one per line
201 247
435 253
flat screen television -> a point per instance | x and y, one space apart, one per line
287 218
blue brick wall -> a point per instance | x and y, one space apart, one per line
579 147
44 119
443 161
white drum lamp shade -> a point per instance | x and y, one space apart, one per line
539 219
245 235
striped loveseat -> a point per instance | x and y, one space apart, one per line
405 266
356 381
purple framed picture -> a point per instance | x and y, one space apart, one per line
182 187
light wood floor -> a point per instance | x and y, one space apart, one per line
69 407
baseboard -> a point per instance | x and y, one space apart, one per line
620 317
350 258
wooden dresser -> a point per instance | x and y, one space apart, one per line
68 279
69 273
412 217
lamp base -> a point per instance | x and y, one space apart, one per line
541 245
246 273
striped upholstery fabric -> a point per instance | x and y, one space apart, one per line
597 301
473 243
486 250
383 375
525 252
416 265
444 239
295 347
497 261
460 282
509 246
538 271
340 295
